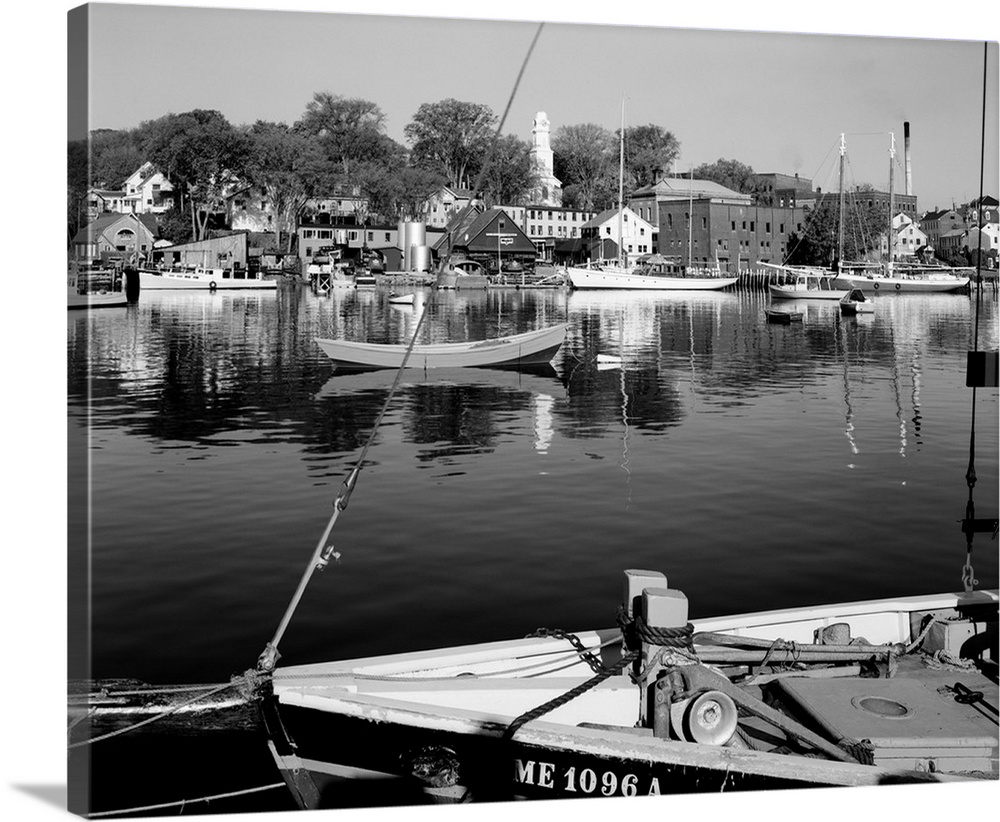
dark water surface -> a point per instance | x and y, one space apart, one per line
757 466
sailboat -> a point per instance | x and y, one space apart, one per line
890 276
652 276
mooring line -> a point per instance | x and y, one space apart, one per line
182 802
158 716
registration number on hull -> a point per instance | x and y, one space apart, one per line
583 781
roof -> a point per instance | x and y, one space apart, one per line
676 188
610 214
98 226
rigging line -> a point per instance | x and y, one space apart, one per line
184 802
269 656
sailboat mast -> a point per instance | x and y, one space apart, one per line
621 187
690 212
840 210
890 237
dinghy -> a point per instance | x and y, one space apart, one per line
530 348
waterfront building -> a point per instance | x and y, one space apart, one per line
734 235
229 250
782 190
604 234
492 238
547 226
124 237
937 223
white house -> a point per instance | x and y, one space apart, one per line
444 204
145 189
908 237
601 233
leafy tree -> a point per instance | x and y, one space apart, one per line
201 154
278 157
114 156
452 137
586 161
729 173
649 152
77 183
863 231
511 175
348 130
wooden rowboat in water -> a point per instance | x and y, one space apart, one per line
531 348
866 693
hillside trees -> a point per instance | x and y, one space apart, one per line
201 154
729 173
277 163
452 137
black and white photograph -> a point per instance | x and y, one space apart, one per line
498 407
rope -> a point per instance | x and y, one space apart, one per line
183 802
570 695
242 683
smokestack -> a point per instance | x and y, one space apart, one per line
908 186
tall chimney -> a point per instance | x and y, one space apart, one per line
908 186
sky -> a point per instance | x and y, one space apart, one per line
778 103
775 101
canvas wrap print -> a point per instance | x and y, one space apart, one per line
477 411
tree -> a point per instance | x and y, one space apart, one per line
649 152
729 173
864 225
586 161
201 154
452 137
114 156
511 175
349 130
277 164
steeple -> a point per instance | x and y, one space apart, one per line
549 190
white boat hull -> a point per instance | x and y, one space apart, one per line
531 348
107 299
205 280
800 292
583 278
365 719
911 285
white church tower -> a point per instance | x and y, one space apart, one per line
549 190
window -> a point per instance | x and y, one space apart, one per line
781 228
767 227
704 222
752 225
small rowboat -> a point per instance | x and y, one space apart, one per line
775 315
856 303
401 299
531 348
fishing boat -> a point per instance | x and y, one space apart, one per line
645 278
805 284
530 348
201 278
89 286
856 303
864 693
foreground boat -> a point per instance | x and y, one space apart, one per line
781 317
531 348
865 693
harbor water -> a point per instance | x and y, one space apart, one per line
758 466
